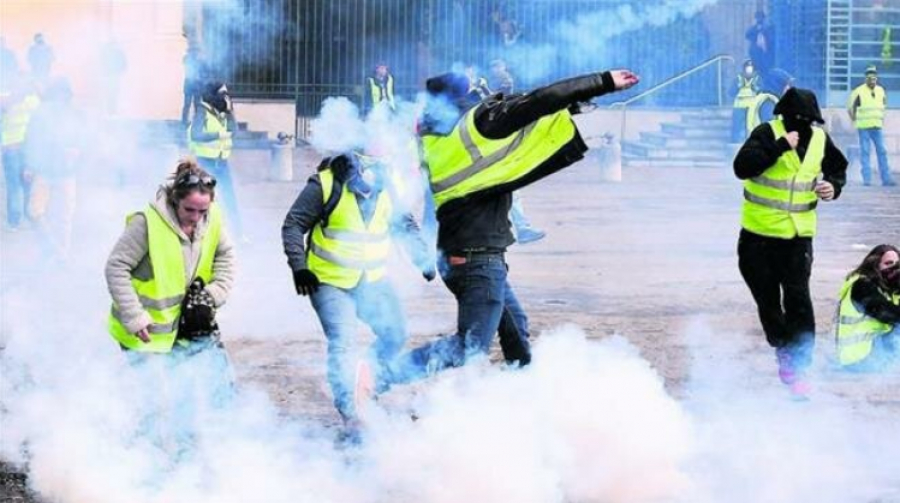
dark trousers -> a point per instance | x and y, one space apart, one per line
777 272
486 305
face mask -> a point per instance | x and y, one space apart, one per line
748 70
892 275
219 102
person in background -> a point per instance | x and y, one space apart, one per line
747 86
348 215
16 112
40 58
761 47
868 329
168 274
781 164
380 88
210 140
866 107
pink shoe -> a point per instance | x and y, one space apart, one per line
786 371
800 389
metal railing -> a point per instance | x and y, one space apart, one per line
715 60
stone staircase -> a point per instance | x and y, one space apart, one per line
700 140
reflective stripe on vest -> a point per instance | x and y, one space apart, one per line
347 249
753 118
781 202
162 294
16 119
856 331
745 95
464 162
213 123
380 93
870 113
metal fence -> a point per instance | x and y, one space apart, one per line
305 50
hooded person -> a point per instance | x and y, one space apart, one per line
210 140
476 153
787 166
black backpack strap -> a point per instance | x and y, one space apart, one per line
333 199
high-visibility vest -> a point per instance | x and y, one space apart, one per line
16 119
872 102
781 202
746 91
753 111
465 162
381 93
214 122
162 293
344 248
855 330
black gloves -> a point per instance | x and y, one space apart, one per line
429 274
305 282
198 312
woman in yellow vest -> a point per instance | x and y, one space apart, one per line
162 316
781 164
868 325
348 216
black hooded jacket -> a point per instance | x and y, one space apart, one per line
480 221
799 108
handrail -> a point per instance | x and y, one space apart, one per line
671 80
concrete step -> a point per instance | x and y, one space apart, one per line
673 163
688 131
717 112
638 151
705 121
663 140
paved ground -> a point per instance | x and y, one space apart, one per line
651 258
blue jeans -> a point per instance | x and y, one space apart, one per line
486 305
225 192
17 190
377 305
181 385
877 138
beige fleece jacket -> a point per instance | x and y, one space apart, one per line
130 257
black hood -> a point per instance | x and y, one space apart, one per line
799 103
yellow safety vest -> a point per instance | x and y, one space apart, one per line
162 294
781 202
380 93
746 92
16 119
753 111
872 102
214 122
856 331
465 162
345 250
